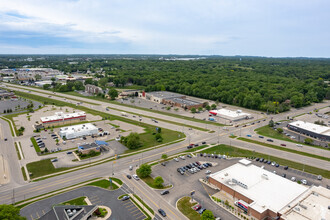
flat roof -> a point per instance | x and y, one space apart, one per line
165 94
319 129
230 113
183 101
313 204
266 189
78 128
58 116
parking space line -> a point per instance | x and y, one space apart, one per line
138 213
140 217
130 208
38 215
136 210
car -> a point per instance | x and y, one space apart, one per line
277 165
270 140
269 162
304 182
69 152
205 155
261 136
198 163
265 161
163 164
197 207
164 192
258 121
299 145
201 154
209 164
257 159
162 212
273 163
286 167
274 171
130 168
182 157
319 177
135 177
207 171
293 137
283 145
196 145
293 178
244 126
284 175
201 211
125 198
176 159
54 160
128 176
204 142
224 156
189 147
188 155
249 135
261 160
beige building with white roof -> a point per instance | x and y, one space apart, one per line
310 129
231 114
265 192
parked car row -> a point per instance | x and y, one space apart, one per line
193 167
40 143
198 208
213 155
262 160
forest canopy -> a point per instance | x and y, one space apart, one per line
273 84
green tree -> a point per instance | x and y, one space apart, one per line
103 82
158 181
38 77
280 130
10 212
208 108
308 141
213 106
144 170
113 93
271 123
200 109
159 137
159 130
46 86
164 156
193 110
207 215
132 141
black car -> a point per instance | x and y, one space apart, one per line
69 152
284 175
257 159
201 154
261 160
204 142
277 165
5 139
261 136
189 147
162 212
164 192
286 167
269 162
163 164
210 165
129 176
270 140
265 161
196 145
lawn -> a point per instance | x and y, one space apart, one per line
237 152
43 167
17 151
104 184
24 174
35 145
270 132
184 206
76 201
150 181
284 149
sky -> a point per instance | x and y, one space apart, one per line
272 28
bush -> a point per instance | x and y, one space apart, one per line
308 141
144 170
158 181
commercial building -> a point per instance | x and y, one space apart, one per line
70 212
77 131
61 119
5 94
86 148
310 129
170 98
92 89
42 83
128 93
264 193
230 114
313 204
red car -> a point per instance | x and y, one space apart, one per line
283 145
197 207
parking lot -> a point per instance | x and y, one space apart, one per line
97 196
16 105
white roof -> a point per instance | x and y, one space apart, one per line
266 189
230 113
78 128
62 116
319 129
313 204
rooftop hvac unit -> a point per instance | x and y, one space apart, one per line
226 174
264 176
302 206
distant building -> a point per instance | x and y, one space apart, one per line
310 129
86 148
92 89
70 212
170 98
5 94
261 193
77 131
42 83
61 119
230 114
128 93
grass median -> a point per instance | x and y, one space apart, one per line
284 149
43 167
184 205
35 145
237 152
76 201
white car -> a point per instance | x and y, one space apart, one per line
135 177
304 182
207 171
117 138
176 159
319 177
293 137
298 145
293 178
273 164
182 157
